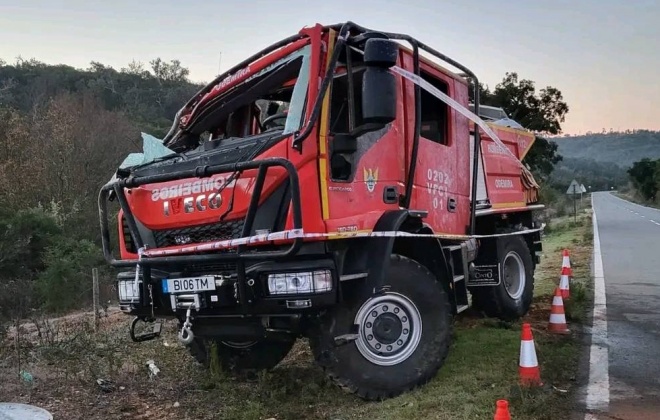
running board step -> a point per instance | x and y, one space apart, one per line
461 308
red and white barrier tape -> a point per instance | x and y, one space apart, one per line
455 105
299 233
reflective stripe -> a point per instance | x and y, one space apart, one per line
563 282
557 301
528 354
566 262
557 319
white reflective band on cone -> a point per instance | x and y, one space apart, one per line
528 354
557 319
566 262
557 301
458 107
563 283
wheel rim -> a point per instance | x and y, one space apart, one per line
513 271
390 329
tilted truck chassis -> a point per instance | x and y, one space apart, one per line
375 303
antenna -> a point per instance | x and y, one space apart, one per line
219 63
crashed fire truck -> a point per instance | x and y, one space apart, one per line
341 186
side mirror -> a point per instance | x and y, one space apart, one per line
378 83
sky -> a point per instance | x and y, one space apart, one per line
603 55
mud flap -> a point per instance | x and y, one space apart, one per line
485 275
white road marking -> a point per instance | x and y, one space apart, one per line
598 389
633 211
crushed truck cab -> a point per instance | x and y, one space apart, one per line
339 185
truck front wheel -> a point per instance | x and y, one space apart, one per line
241 357
512 297
403 334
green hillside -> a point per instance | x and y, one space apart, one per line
620 148
596 175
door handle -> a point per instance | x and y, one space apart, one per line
451 205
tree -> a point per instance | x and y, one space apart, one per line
645 176
135 68
542 157
169 72
541 112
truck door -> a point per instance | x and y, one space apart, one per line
442 172
357 168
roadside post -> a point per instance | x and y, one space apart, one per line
573 190
95 297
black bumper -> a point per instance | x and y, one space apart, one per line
224 301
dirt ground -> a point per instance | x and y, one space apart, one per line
65 358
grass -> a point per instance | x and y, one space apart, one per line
482 367
634 197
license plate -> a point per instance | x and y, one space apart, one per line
189 284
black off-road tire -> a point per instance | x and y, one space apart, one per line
496 301
347 366
262 355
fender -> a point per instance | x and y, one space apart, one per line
380 249
372 255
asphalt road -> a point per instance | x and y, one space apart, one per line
630 250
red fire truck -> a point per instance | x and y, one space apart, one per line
340 185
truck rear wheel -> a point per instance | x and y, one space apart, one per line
512 297
403 334
242 357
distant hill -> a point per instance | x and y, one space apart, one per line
620 148
597 175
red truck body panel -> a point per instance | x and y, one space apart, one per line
442 172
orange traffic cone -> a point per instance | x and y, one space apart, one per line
564 283
502 410
566 262
528 368
557 322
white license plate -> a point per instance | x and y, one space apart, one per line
189 284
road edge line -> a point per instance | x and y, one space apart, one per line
633 203
598 388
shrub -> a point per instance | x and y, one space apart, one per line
66 282
23 238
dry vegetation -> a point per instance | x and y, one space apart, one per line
66 360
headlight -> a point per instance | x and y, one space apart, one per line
128 292
296 283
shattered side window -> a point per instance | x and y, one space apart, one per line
297 105
152 150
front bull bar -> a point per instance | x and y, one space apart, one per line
239 256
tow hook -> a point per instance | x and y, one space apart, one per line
186 335
155 333
341 340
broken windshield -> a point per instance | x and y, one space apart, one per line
270 101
